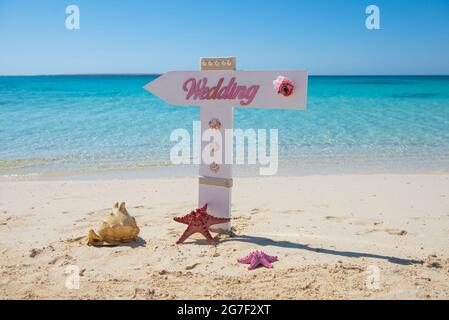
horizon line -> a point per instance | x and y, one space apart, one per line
159 74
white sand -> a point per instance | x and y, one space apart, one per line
331 233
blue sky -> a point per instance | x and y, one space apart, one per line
324 37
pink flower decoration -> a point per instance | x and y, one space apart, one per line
284 86
278 81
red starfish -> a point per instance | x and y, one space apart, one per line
199 221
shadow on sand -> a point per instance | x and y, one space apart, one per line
261 241
136 244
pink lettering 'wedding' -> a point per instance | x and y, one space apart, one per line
198 90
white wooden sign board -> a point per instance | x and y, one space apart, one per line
217 89
175 87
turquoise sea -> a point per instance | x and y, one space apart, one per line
53 126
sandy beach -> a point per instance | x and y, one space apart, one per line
337 237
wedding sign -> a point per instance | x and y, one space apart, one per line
217 89
251 89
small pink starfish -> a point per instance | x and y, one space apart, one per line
256 258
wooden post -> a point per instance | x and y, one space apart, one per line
215 180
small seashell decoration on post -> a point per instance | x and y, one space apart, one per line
214 167
215 124
284 86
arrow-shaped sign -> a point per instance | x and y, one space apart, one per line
250 89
